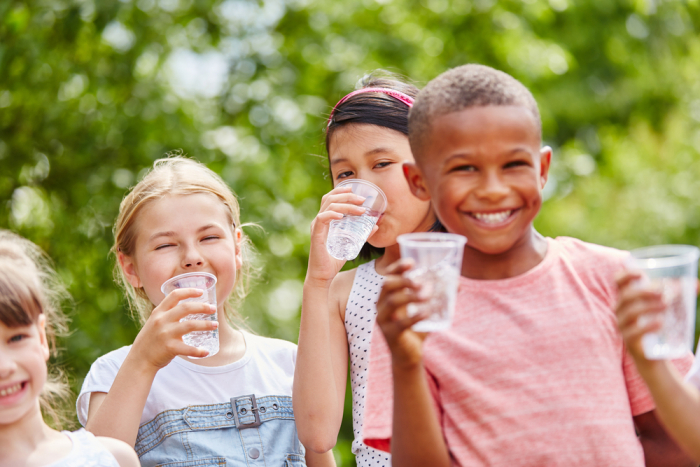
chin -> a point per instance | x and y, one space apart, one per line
491 248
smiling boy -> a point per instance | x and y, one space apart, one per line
532 371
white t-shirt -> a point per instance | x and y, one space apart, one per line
266 369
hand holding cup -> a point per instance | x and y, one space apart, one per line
160 339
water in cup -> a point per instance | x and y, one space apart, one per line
346 236
437 267
671 270
671 341
439 283
207 340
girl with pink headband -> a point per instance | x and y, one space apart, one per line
366 138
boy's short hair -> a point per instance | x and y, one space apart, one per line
461 88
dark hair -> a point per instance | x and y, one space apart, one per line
375 108
461 88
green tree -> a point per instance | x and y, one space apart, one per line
91 93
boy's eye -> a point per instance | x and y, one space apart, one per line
464 168
160 247
382 164
516 164
344 175
211 237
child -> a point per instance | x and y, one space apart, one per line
367 138
29 314
532 371
157 394
677 401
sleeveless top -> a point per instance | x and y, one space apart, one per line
360 314
86 452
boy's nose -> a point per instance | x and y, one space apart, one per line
492 188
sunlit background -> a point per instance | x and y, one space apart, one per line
91 93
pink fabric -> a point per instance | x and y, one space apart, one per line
532 371
405 98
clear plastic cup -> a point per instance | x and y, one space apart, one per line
347 235
437 266
207 340
672 270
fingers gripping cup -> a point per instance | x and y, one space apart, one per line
437 266
207 340
673 271
347 235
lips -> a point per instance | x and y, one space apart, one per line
11 393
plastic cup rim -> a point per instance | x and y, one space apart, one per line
675 255
369 184
431 239
188 274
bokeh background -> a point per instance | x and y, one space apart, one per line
92 92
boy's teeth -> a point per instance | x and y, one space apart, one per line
10 390
493 217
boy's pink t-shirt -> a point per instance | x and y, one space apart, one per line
532 372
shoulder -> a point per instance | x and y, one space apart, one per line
595 265
114 357
590 254
340 292
122 452
342 283
270 346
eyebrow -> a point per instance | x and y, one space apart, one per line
171 233
468 155
372 152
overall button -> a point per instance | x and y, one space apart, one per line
254 453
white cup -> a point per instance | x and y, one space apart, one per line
437 267
673 271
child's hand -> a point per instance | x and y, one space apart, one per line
398 291
160 339
334 205
635 302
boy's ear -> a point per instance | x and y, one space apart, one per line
41 326
415 180
129 267
545 161
238 233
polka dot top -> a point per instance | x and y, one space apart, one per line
360 314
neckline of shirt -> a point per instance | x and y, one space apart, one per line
213 370
520 280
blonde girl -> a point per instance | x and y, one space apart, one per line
30 298
159 394
366 138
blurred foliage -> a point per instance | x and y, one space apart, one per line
91 93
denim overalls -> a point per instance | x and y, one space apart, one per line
247 431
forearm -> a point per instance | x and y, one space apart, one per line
678 410
416 435
318 407
119 414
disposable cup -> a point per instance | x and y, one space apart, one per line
346 236
437 266
673 271
208 340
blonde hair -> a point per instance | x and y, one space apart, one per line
30 287
177 175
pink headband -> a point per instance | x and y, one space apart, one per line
405 98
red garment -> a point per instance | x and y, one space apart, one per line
532 372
